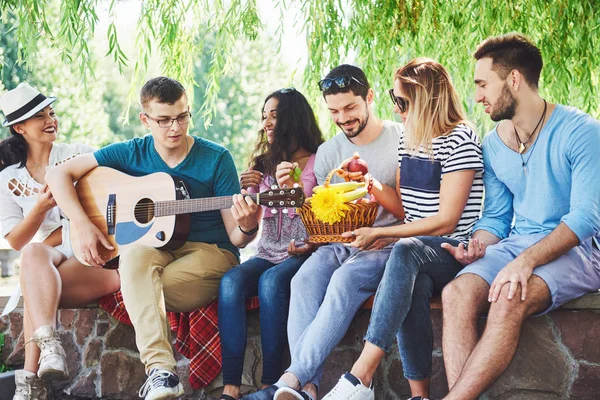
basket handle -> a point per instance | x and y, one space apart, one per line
338 171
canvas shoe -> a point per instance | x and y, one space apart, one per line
53 360
288 393
29 386
350 387
161 384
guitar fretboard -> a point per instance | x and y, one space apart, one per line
173 207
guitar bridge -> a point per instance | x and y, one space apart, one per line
111 211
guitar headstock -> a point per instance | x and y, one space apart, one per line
292 197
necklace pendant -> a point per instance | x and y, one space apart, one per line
525 169
521 148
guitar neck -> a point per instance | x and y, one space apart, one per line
188 206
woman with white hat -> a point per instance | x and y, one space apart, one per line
49 274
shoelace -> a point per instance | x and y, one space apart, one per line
49 345
155 380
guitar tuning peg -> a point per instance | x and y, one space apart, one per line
285 211
296 185
273 211
274 187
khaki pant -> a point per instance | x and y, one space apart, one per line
154 281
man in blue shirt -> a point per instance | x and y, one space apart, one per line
540 171
153 280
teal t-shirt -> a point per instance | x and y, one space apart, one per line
208 170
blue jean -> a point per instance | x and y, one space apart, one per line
271 282
326 293
417 269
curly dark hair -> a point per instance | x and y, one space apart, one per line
296 128
13 150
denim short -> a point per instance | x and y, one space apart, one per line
568 277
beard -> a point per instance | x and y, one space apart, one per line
359 129
505 107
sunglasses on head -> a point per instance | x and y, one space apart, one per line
340 81
287 90
401 102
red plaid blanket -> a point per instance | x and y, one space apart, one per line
196 336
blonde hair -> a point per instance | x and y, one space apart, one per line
433 106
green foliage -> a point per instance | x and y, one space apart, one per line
3 367
379 35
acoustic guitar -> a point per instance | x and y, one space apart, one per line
153 210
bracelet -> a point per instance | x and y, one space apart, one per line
250 232
370 184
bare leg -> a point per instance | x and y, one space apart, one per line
32 352
291 380
499 341
364 368
83 285
464 300
233 391
311 389
40 283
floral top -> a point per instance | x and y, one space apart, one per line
279 228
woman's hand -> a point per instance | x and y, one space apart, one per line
282 174
474 251
45 200
250 179
300 247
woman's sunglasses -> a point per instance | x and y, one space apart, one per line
401 102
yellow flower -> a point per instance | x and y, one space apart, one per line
328 205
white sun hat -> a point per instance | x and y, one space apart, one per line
22 103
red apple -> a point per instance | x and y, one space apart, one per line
358 165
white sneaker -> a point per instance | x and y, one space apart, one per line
29 386
287 393
53 360
350 387
161 384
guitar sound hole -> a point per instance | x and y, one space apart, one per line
144 211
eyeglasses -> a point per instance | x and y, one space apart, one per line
287 90
340 81
401 102
183 119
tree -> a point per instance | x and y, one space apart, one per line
379 35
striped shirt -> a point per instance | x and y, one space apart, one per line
421 177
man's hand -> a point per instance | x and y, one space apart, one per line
45 200
245 211
517 272
250 179
90 238
363 237
353 176
474 251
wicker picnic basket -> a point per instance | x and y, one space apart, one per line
359 215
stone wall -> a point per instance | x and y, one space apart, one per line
558 357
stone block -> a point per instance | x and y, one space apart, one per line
121 336
539 365
436 324
16 358
338 362
4 322
580 331
357 329
122 375
587 384
67 318
102 328
73 352
85 386
92 352
439 383
16 324
85 324
395 385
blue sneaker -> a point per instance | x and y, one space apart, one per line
266 394
160 385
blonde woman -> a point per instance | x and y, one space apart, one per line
440 188
31 222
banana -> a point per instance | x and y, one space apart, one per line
342 186
354 194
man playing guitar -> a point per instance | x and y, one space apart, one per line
155 280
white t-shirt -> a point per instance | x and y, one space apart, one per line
19 191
